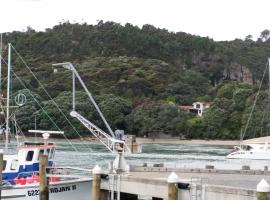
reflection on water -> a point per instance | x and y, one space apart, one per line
172 155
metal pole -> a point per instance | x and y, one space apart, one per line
43 184
1 170
8 90
73 91
1 50
118 186
94 102
69 66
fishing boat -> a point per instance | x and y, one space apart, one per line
21 178
256 148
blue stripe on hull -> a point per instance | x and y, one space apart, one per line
24 171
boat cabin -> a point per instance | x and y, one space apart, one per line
26 162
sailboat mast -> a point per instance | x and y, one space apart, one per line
269 77
8 90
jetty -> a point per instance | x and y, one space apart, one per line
189 184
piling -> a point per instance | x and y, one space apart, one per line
1 170
172 186
263 190
96 183
43 184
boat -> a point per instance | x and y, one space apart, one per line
256 148
21 178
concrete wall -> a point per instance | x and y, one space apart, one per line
210 192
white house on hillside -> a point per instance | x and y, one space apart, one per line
196 108
200 106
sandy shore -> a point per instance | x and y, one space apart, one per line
178 141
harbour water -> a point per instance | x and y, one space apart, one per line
171 155
88 154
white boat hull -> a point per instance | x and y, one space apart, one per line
65 190
258 155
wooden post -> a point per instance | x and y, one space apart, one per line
263 190
96 183
43 184
1 170
172 188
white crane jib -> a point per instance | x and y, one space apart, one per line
108 140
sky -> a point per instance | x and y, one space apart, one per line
217 19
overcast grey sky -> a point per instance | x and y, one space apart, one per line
218 19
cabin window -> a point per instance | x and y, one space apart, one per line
198 106
29 156
48 152
4 164
14 164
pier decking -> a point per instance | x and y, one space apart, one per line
204 184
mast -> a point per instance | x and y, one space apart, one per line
268 93
1 49
269 78
8 88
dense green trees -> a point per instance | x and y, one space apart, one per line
139 76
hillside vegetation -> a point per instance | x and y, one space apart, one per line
139 77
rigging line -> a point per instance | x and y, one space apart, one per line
44 110
262 124
56 105
256 98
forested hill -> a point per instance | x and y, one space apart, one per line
139 77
